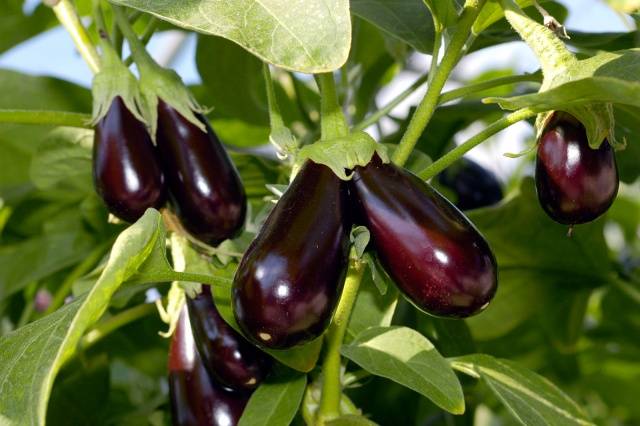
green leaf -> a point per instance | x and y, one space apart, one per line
406 357
31 356
276 401
40 256
350 420
492 12
531 399
408 20
310 36
233 80
527 245
301 358
16 26
64 161
608 77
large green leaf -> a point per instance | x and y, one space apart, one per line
305 35
407 20
407 357
531 399
528 246
276 401
17 26
31 356
605 77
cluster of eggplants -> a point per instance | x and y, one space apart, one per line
131 174
289 280
212 368
575 184
473 185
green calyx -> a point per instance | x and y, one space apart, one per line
157 83
560 66
344 153
114 79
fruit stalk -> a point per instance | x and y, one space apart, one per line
428 105
332 123
66 13
331 367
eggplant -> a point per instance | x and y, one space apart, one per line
435 255
289 281
203 182
126 168
575 184
196 400
473 185
227 355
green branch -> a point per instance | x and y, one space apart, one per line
456 153
429 103
66 13
485 85
53 118
331 367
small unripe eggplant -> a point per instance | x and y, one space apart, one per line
227 355
436 257
126 167
195 398
290 278
473 185
202 180
575 184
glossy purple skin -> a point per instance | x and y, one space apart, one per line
196 400
290 278
203 182
575 183
126 167
228 356
473 185
434 254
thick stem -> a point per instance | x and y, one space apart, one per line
117 321
68 17
429 103
456 153
331 367
54 118
332 122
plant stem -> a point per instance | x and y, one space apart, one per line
115 322
54 118
332 122
489 84
81 269
373 118
437 44
429 103
455 154
66 13
331 367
